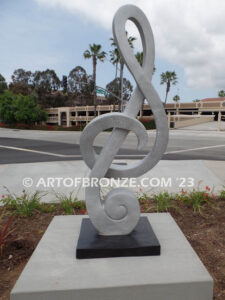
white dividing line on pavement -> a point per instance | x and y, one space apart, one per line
36 151
194 149
59 155
119 155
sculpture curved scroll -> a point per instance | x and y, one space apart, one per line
119 212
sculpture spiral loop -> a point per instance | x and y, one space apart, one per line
119 212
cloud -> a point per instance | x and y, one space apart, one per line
190 34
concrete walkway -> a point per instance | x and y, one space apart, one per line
66 176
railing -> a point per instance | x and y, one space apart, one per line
81 118
52 119
173 107
185 120
52 110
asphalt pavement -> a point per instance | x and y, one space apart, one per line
25 146
191 157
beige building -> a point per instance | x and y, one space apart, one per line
82 115
188 113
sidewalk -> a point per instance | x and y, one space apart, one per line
171 176
208 126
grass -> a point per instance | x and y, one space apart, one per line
197 199
25 204
158 202
70 203
163 202
47 207
222 194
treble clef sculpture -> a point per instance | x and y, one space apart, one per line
119 212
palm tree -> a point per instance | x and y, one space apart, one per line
119 59
176 98
115 59
221 93
168 78
139 57
96 54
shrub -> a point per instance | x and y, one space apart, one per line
149 124
71 128
44 127
20 109
22 126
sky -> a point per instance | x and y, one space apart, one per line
189 39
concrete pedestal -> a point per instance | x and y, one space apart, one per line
53 272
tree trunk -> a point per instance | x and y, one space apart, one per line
94 78
166 97
167 90
116 70
121 84
114 105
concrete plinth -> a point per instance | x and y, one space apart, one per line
53 273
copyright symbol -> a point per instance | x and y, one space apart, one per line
27 182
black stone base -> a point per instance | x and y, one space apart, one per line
140 242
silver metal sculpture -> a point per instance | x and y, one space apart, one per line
119 212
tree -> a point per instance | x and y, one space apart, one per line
196 100
221 93
7 113
118 58
176 98
20 109
22 76
115 58
64 84
168 78
56 99
46 81
78 82
96 54
27 111
139 57
3 84
45 84
21 82
114 87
